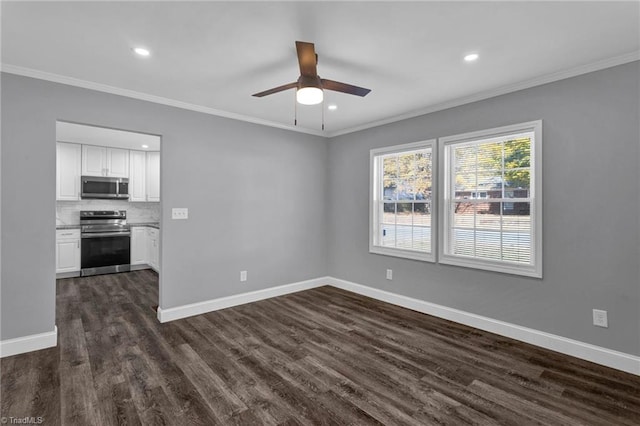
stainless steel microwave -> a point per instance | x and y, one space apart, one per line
104 187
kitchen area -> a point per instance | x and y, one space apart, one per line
107 200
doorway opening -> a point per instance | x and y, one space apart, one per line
108 213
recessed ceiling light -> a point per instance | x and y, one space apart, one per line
145 146
141 51
332 107
471 57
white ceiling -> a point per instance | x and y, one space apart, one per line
211 56
101 136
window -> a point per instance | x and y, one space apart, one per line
491 206
402 201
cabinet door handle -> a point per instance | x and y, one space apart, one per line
78 243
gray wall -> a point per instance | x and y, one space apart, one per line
256 199
591 187
289 207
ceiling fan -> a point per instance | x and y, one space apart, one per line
309 87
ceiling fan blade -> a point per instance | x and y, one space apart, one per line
307 59
276 89
337 86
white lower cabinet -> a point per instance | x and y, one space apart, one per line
67 251
153 245
139 245
145 247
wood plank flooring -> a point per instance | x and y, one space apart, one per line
323 356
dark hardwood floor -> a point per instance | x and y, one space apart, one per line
323 356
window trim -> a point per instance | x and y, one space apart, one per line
444 179
373 194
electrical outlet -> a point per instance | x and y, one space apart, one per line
243 275
179 213
600 318
389 274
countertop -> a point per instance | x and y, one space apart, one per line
58 227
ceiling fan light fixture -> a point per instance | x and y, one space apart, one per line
309 95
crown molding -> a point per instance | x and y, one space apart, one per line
503 90
545 79
70 81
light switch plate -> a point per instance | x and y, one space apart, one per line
179 213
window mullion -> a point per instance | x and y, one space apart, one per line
395 224
475 208
502 185
380 193
452 194
395 217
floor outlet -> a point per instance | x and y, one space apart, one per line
600 318
243 275
389 274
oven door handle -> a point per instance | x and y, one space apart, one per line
106 234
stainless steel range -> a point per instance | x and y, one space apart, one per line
106 242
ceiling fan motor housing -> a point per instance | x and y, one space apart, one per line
309 81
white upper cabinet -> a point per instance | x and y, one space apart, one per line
94 160
137 176
144 176
117 162
102 161
68 159
153 176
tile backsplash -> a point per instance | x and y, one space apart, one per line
68 212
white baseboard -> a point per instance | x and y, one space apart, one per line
170 314
33 342
599 355
140 266
67 274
